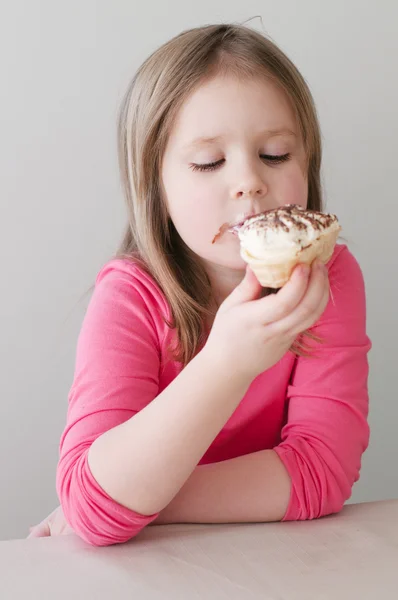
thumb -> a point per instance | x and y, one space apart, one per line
248 289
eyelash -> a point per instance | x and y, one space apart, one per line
275 160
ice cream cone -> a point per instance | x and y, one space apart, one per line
274 242
273 274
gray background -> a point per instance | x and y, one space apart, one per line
64 67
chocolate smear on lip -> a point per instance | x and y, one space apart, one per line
223 229
231 228
284 217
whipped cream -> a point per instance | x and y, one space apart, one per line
284 230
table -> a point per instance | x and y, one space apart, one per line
353 555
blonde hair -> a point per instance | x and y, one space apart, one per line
151 103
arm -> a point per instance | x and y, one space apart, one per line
311 473
127 450
131 461
144 462
254 488
121 435
327 431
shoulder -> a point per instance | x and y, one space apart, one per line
343 263
126 283
346 278
129 272
346 310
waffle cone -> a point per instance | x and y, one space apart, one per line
276 274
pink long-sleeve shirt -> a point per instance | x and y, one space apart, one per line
311 410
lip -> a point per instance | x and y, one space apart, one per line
243 217
232 227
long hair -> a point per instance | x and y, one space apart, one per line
149 108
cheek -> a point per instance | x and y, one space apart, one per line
295 186
193 208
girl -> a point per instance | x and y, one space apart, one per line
188 404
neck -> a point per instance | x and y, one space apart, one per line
223 281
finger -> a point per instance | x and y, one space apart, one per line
248 289
277 306
41 530
312 304
314 317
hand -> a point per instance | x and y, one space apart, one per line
54 524
250 334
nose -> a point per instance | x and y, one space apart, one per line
249 185
250 193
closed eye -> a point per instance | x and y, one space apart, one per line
207 167
275 159
270 158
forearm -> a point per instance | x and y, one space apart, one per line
143 462
250 488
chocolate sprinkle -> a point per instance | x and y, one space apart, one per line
284 217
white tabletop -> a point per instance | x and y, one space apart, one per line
353 555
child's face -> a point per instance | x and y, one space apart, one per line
248 123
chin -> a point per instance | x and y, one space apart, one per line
234 263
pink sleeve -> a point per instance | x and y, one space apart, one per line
327 431
116 375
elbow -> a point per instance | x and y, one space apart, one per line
333 502
315 499
93 515
96 533
319 487
94 537
326 495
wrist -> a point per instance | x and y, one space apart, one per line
216 364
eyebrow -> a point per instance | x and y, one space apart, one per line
207 141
